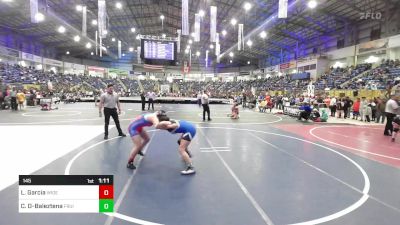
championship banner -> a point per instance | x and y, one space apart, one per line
197 27
97 46
185 17
119 49
213 22
179 31
34 8
217 47
84 14
102 18
283 8
101 47
206 58
240 37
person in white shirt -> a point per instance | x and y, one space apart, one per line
391 110
333 106
151 96
206 108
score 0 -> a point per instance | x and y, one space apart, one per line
106 195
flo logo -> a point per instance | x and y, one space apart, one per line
371 15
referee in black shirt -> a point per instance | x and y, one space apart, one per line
110 102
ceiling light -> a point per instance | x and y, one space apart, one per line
263 34
137 37
193 35
77 38
247 6
88 45
187 51
312 4
233 21
248 62
105 32
230 61
123 54
197 53
224 32
162 17
91 53
249 43
39 17
231 54
190 41
118 5
67 53
79 8
113 39
61 29
131 49
187 46
94 22
133 30
163 35
201 13
211 46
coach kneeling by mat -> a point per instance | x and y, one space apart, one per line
110 102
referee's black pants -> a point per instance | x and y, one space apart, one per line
151 101
206 108
114 114
389 125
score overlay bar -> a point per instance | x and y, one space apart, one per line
66 194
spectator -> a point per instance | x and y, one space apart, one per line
315 116
368 112
380 110
356 109
348 103
21 99
262 106
13 95
340 107
391 111
333 106
363 107
305 112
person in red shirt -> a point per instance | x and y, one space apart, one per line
356 109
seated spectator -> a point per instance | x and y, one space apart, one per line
305 112
270 105
315 116
324 116
262 105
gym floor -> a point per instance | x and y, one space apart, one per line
260 169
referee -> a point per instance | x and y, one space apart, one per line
110 102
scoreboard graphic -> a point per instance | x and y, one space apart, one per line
66 194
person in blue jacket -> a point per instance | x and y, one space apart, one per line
305 112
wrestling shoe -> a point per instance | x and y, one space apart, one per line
141 153
189 170
131 166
